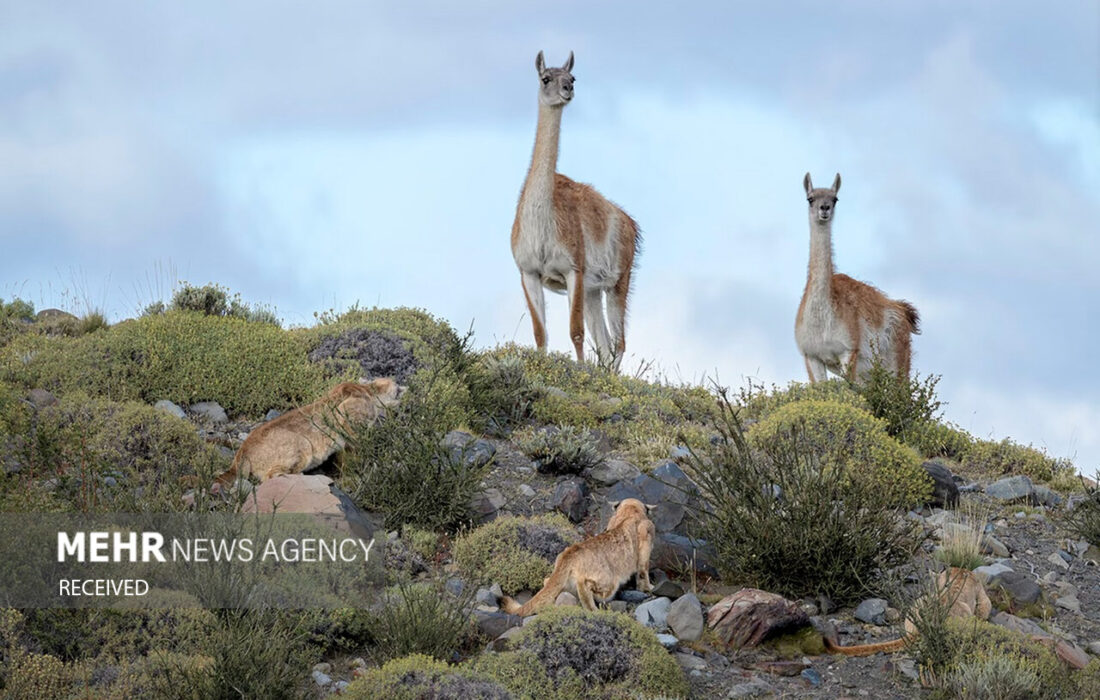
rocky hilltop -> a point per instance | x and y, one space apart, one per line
785 517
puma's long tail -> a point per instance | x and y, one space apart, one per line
549 593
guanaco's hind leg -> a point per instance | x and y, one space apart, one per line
616 317
536 305
816 369
575 287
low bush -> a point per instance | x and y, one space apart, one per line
756 402
214 300
996 677
1083 520
565 450
503 395
517 553
575 653
797 519
1008 457
400 468
841 436
181 356
419 618
939 439
904 403
418 677
962 540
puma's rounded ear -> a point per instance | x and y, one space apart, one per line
568 65
808 184
540 63
836 183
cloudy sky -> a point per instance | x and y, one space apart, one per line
312 155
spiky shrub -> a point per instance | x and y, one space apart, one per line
996 677
905 403
789 517
400 468
842 437
566 450
14 315
568 652
518 553
1084 519
504 395
939 439
214 300
418 676
419 618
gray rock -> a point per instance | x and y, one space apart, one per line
685 617
566 598
945 492
486 504
570 497
323 667
753 689
986 573
992 545
1012 489
1070 603
493 624
679 452
339 687
1017 624
811 676
485 596
321 679
466 449
1047 496
211 411
1058 562
872 611
526 491
455 585
632 596
170 408
1094 648
668 589
272 414
1022 588
690 662
668 641
612 471
504 641
619 606
654 613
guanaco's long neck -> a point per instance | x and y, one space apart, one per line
820 276
544 160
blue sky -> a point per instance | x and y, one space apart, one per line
314 155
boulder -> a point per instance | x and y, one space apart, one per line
493 624
486 504
1012 489
612 471
314 494
570 498
466 449
170 408
211 411
40 398
1021 588
654 613
685 618
872 611
751 615
986 573
945 492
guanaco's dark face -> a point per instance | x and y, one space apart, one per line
822 199
555 84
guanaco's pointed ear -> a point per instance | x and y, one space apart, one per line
649 508
568 65
836 183
614 504
808 184
540 63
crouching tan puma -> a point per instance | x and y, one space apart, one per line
594 569
303 438
959 589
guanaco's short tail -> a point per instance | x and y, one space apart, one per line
546 596
912 317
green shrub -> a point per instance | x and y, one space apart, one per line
182 356
841 436
503 395
103 454
214 300
423 542
903 402
996 677
517 553
794 518
1008 457
14 315
417 677
756 402
575 653
939 439
420 618
560 451
1084 519
400 468
963 538
110 636
641 419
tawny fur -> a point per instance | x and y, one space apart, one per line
593 570
568 238
843 324
959 589
303 438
